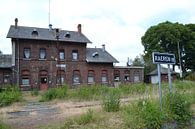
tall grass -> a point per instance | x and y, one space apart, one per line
9 94
54 93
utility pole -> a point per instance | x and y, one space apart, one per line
179 56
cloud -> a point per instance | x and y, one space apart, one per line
119 24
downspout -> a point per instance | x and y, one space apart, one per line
18 73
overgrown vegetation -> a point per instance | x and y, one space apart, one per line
55 93
111 102
4 126
9 94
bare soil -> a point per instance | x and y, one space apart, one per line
33 114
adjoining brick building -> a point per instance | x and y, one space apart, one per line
47 57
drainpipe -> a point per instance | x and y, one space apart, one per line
18 71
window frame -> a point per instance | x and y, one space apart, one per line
40 51
24 53
75 53
76 76
61 51
91 75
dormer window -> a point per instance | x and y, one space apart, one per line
67 35
95 54
34 33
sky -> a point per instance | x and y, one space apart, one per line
119 24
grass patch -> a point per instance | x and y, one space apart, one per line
4 126
111 101
54 93
9 95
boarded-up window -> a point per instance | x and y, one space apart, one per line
116 75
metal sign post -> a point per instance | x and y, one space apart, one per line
159 84
163 58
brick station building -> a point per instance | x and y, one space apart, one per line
47 57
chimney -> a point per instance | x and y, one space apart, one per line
50 27
79 28
103 48
16 23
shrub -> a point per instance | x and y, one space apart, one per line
9 95
180 109
54 93
86 118
111 102
143 114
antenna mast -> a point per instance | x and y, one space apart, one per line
49 13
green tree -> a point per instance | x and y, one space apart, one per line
138 61
165 37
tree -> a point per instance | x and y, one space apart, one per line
165 37
138 61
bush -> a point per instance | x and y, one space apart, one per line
9 95
86 118
54 93
143 114
111 102
180 109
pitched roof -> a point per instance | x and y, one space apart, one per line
5 61
163 71
23 32
97 55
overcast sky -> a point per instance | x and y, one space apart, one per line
119 24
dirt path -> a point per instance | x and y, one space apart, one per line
32 115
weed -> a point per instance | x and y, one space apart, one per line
111 102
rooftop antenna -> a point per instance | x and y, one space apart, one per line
49 13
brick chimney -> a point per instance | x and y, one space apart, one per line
79 28
16 23
103 47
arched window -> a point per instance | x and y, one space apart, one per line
76 77
127 75
104 76
116 75
25 78
60 77
91 76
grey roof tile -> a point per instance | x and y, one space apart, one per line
97 55
5 61
23 32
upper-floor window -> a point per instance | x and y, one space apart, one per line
75 55
42 53
61 55
26 53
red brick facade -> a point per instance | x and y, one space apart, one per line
42 59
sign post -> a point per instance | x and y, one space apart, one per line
163 58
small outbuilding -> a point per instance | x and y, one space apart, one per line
153 76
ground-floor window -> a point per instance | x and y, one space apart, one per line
90 78
76 77
25 78
116 75
60 77
104 76
6 78
127 75
25 81
136 76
